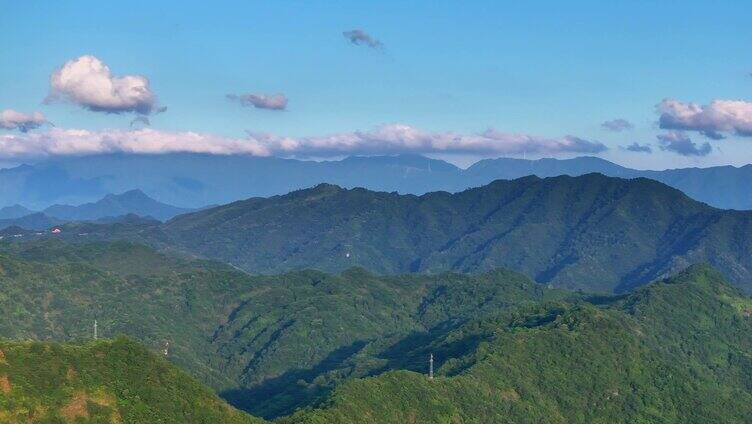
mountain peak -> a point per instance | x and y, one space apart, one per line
14 211
114 205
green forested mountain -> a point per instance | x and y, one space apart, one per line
102 382
267 343
678 351
353 347
591 232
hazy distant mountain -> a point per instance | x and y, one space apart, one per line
509 168
114 205
130 206
196 180
33 221
15 211
725 187
590 232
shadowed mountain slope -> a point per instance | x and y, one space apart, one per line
675 351
591 232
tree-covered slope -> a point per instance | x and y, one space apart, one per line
353 347
591 232
105 381
677 351
269 343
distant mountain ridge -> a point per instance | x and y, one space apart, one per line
591 232
112 207
195 180
14 211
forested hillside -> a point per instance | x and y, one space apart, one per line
102 382
592 232
255 339
338 347
676 351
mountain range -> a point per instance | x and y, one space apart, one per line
310 347
252 338
110 208
197 180
323 305
624 360
592 232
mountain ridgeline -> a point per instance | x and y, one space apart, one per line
269 344
196 180
591 232
309 347
112 207
677 351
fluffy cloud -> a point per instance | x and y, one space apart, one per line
399 138
261 101
639 148
360 37
387 139
617 125
88 82
148 141
11 120
712 120
678 142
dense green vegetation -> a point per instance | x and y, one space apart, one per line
592 232
269 344
676 351
310 347
102 382
307 346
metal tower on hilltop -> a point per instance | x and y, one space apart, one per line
430 367
95 329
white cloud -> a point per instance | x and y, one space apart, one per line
88 82
720 116
148 141
387 139
11 120
400 138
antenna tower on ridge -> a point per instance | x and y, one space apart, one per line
430 367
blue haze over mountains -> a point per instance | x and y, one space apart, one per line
112 207
197 180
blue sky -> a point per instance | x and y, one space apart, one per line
547 69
